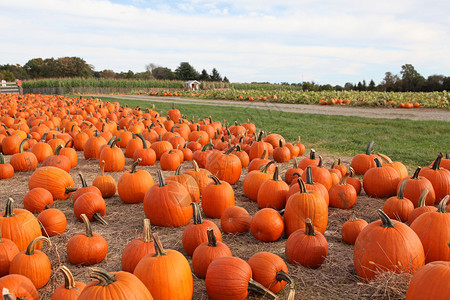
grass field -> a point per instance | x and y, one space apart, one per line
415 143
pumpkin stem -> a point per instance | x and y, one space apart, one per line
334 164
378 163
386 221
442 205
31 246
295 165
344 179
161 179
437 162
386 158
209 145
266 166
102 168
134 165
9 210
351 172
339 161
83 181
301 183
212 240
275 174
195 165
98 217
87 225
2 159
69 281
401 190
58 149
282 275
144 142
69 190
104 277
216 180
158 246
258 288
263 154
422 198
416 173
353 217
312 154
22 144
260 134
197 216
147 232
309 178
230 150
309 229
178 170
369 147
113 144
320 164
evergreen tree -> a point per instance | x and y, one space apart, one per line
186 72
215 76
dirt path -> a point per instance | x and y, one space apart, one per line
370 112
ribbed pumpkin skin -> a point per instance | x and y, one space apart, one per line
37 199
21 228
414 188
430 282
70 292
166 276
226 167
133 186
272 193
342 196
36 267
381 182
25 161
235 219
177 210
351 229
377 247
113 157
19 286
265 266
196 234
134 251
53 179
267 225
363 162
440 180
433 229
126 287
305 205
308 250
205 254
86 251
7 252
54 222
59 161
200 176
189 183
216 198
227 278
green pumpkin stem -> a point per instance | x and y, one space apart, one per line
113 144
212 240
378 162
158 246
104 277
22 144
58 150
2 159
98 217
369 147
344 179
69 281
134 165
309 229
209 145
196 215
230 150
259 289
437 162
144 142
266 166
216 180
353 217
416 173
9 210
161 178
301 183
32 245
386 221
147 232
312 154
309 177
111 140
443 204
282 275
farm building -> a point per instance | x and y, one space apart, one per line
192 85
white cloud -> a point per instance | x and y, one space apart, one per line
253 40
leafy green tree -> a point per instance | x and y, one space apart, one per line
225 79
34 67
162 73
204 76
411 79
348 86
390 83
215 76
7 76
108 74
371 85
186 72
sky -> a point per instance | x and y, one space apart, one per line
247 41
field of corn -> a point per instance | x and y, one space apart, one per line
239 92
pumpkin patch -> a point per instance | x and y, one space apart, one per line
233 210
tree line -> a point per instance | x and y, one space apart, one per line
63 67
409 80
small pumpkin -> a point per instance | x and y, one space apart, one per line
6 169
37 199
23 161
380 182
188 182
398 207
53 222
272 192
421 208
8 249
342 195
364 161
20 286
235 219
105 183
70 289
267 225
133 185
352 228
217 196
